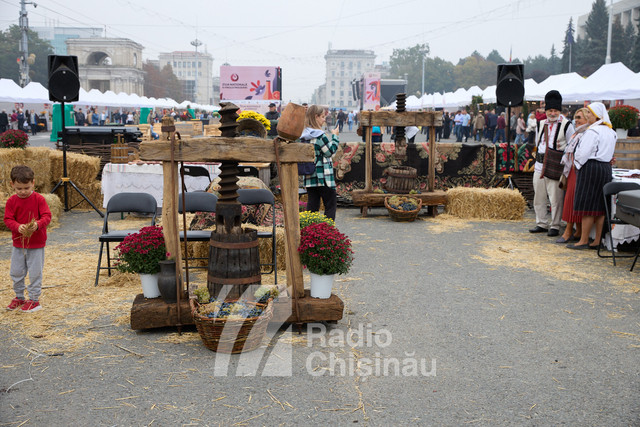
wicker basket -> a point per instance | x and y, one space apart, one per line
400 215
232 335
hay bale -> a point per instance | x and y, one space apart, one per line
55 206
93 191
37 158
485 203
82 169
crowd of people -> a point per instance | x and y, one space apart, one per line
27 121
94 117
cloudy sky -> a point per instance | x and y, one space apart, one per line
295 34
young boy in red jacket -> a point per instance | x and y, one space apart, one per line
29 238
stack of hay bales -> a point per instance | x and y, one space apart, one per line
55 206
83 171
37 158
485 203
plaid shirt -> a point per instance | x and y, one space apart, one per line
324 150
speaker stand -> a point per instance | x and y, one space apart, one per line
65 180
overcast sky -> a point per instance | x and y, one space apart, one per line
295 34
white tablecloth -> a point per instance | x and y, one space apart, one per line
623 233
147 178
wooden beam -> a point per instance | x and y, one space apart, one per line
242 149
363 198
432 158
170 212
290 206
368 163
405 118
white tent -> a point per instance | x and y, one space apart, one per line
34 93
559 82
9 91
609 82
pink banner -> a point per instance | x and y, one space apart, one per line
254 83
371 91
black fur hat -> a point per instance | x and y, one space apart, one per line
553 100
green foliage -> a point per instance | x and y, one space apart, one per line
142 252
409 62
568 54
635 54
9 52
162 83
619 46
597 26
495 57
536 68
475 70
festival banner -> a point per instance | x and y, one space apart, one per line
371 91
250 83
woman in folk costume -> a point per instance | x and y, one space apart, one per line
321 183
568 214
592 159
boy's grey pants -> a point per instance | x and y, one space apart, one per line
25 261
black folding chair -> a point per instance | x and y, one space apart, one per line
121 203
248 171
200 201
194 171
256 197
611 189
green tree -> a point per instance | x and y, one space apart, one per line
619 46
634 62
409 62
537 68
596 29
568 53
9 53
555 65
475 70
629 39
495 57
173 86
438 75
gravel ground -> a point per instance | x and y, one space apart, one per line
434 333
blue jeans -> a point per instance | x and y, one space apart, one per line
457 130
499 136
519 138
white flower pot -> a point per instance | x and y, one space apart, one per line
622 133
149 285
321 285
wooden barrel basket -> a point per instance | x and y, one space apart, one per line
627 154
119 153
234 265
400 179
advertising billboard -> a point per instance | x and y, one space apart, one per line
371 92
250 83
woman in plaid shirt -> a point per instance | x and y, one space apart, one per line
321 183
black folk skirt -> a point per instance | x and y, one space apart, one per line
589 198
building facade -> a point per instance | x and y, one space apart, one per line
58 36
342 67
108 64
627 10
195 71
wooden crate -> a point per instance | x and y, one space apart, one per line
212 130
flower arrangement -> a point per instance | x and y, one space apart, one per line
14 139
308 218
142 252
623 117
248 114
324 250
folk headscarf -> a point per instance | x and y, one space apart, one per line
600 111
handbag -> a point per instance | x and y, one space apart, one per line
551 166
306 168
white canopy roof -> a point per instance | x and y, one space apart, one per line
558 82
609 82
9 91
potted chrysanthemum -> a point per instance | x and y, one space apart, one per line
13 138
141 253
325 252
623 118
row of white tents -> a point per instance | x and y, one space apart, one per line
610 82
35 93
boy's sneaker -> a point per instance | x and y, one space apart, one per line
31 306
15 304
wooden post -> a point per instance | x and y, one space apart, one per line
432 159
289 192
368 155
170 212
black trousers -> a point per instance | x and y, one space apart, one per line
329 198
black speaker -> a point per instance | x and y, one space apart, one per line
510 86
64 83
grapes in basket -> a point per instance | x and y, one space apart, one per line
403 203
230 310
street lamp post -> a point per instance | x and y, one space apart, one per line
195 44
23 60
